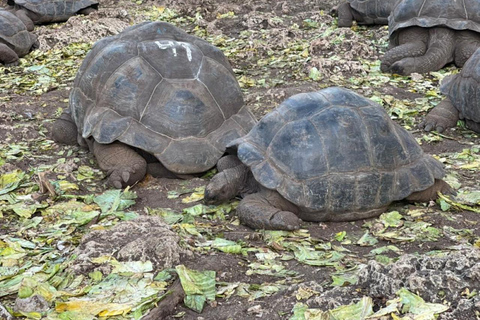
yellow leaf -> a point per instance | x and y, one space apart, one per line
94 308
196 196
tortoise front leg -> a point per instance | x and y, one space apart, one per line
124 166
268 210
7 56
442 117
441 46
345 15
472 125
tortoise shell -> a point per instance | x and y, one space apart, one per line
47 11
336 151
373 11
463 89
14 34
452 14
156 88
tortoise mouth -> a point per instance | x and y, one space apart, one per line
208 198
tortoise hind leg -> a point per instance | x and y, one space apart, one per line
124 166
431 192
466 44
412 43
441 47
265 210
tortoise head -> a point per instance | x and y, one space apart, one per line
225 185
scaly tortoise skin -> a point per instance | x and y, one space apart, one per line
50 11
15 40
367 12
462 92
330 155
427 35
155 88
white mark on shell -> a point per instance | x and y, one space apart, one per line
171 44
188 50
168 45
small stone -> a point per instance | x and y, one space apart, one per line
34 303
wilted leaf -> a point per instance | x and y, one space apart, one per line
199 286
367 240
10 181
115 200
411 303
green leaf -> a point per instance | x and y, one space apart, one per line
391 219
314 74
299 311
115 200
357 311
367 240
199 286
227 246
339 236
344 279
412 303
10 181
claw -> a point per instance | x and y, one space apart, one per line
117 184
440 129
125 176
428 127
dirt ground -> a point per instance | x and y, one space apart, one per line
277 49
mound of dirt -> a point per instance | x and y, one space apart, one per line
146 238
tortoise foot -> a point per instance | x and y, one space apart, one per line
403 67
443 116
12 64
256 212
122 177
124 166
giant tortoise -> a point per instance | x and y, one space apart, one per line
48 11
363 11
330 155
156 89
15 40
427 35
462 102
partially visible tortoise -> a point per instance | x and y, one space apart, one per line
462 102
330 155
15 40
427 35
154 88
48 11
363 11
